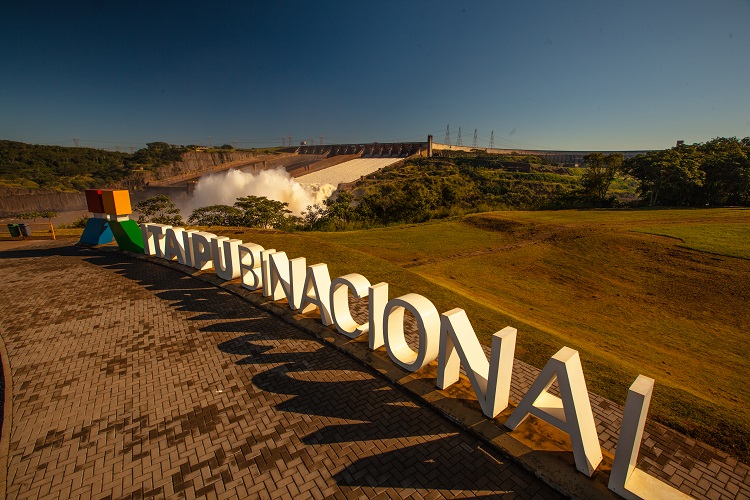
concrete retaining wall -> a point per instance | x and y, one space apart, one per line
41 202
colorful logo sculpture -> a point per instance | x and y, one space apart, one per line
111 210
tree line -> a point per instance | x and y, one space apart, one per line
57 167
61 168
715 173
247 211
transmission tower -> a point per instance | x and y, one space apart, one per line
492 140
458 141
312 141
320 137
474 142
289 140
448 135
77 142
283 141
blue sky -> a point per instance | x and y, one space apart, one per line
541 74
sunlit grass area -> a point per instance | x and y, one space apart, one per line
718 238
602 282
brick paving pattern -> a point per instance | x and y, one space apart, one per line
133 380
690 466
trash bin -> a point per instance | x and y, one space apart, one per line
25 229
14 230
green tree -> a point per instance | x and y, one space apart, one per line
154 155
670 177
341 210
314 217
726 163
600 171
158 209
334 214
259 211
216 215
714 173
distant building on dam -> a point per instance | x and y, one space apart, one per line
567 158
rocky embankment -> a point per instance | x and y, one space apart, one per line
196 162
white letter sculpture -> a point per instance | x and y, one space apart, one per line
226 257
202 258
265 271
378 295
250 269
287 278
428 322
340 312
187 243
156 238
173 244
149 247
459 345
625 479
317 289
570 413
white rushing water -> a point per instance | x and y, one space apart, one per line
225 187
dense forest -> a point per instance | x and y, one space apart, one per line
714 173
60 168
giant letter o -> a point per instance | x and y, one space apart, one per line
428 323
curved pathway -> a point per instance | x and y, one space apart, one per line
132 379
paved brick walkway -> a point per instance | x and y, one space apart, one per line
132 379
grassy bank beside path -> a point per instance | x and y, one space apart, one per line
633 291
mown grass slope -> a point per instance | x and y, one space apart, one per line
603 282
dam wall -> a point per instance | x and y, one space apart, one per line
347 172
369 150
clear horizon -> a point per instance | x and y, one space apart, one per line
580 76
